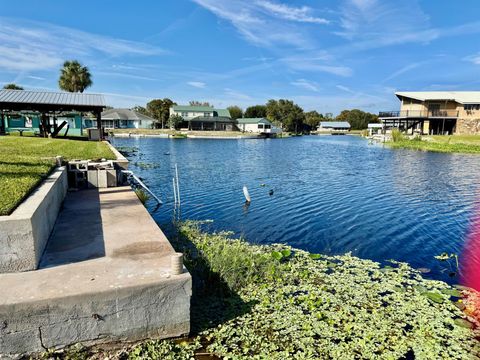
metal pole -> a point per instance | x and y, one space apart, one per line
178 186
174 192
2 124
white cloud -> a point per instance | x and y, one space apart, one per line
372 24
405 69
35 77
475 58
262 23
236 95
197 84
345 88
29 45
308 85
283 11
124 75
311 64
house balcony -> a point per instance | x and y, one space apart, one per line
419 114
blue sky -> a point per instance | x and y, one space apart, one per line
325 55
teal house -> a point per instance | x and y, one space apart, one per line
27 121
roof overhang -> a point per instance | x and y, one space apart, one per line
461 97
44 101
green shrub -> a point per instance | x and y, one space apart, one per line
397 135
284 303
142 195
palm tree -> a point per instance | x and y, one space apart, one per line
12 87
74 77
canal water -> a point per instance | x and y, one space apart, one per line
325 194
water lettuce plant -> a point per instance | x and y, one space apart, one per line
277 302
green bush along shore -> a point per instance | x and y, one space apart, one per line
467 144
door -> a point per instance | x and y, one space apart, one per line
434 109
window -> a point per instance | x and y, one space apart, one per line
268 126
207 114
184 113
470 107
260 126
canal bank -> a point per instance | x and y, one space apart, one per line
277 302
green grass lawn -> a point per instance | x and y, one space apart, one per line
467 144
25 161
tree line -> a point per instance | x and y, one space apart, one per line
284 113
291 117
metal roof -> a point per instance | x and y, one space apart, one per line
335 124
462 97
222 112
253 121
192 108
50 98
125 114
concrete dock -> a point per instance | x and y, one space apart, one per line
105 276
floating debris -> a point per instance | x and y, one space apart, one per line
424 270
246 194
270 192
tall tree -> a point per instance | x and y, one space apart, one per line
141 110
199 103
235 112
12 87
74 77
160 110
256 111
358 119
286 113
174 121
312 119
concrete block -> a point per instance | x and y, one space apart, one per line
92 176
102 178
24 233
111 178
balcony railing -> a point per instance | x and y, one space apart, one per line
419 114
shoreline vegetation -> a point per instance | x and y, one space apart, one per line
194 133
177 133
464 144
26 161
277 302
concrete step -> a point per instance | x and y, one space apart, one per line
105 276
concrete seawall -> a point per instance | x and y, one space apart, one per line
24 233
105 276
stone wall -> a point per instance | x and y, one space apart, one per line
24 233
468 127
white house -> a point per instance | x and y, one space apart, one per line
257 125
334 127
375 128
203 117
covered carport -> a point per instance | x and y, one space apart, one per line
49 105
